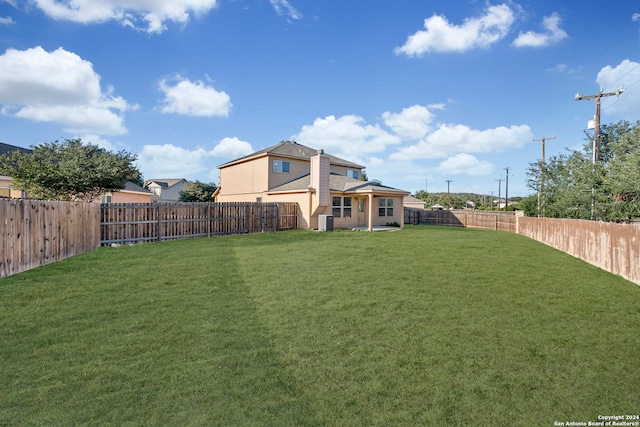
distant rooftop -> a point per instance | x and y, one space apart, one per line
6 149
164 182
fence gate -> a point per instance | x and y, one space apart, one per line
263 217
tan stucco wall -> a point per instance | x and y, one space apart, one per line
248 178
127 197
342 170
398 211
297 169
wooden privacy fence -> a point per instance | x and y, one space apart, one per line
36 232
612 247
137 222
492 220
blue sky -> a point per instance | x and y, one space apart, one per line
419 92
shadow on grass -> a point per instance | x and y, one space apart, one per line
94 341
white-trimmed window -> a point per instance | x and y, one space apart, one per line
341 207
353 174
106 198
281 166
385 206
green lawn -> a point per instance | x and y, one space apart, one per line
424 326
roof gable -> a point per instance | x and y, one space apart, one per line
339 183
164 183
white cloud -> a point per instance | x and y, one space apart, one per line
553 34
441 36
565 69
170 161
626 75
59 87
283 7
412 123
465 164
232 148
153 13
99 141
348 137
194 99
451 139
6 21
635 17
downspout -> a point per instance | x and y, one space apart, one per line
310 191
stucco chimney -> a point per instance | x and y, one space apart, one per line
320 170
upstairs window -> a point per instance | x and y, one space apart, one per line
353 174
281 167
385 207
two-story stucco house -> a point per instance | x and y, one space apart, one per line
165 190
320 183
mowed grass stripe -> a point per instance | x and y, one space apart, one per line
425 326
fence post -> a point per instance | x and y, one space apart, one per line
159 222
208 220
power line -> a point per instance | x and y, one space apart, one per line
506 191
541 192
597 96
499 188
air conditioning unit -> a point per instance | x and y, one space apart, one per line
325 222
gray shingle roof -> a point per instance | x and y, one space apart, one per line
165 183
294 150
339 183
6 149
130 186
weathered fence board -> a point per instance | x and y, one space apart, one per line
137 222
37 232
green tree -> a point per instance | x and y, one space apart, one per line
70 170
450 200
196 191
575 187
429 198
529 205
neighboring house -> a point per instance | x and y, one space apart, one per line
413 202
6 182
165 190
131 193
320 183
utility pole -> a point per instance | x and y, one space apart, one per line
541 192
506 191
499 188
492 201
448 182
597 96
426 188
